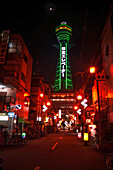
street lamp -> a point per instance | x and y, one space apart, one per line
41 97
75 107
48 103
79 97
93 70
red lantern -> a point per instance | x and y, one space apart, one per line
48 103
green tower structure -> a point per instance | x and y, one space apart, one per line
63 79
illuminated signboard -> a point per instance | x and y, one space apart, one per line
39 119
59 113
44 108
79 135
11 114
85 136
63 61
3 118
18 106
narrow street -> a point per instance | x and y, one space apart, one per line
58 151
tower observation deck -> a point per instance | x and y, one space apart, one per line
63 79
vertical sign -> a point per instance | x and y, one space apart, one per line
59 113
63 61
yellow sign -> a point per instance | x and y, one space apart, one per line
85 136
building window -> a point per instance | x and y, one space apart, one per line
3 45
25 58
1 60
112 22
14 47
23 77
13 73
107 50
16 74
19 48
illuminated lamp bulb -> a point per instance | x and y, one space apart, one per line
41 95
25 94
75 107
48 103
92 70
79 97
25 103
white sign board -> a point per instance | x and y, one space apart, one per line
3 118
44 108
63 61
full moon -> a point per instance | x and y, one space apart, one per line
50 8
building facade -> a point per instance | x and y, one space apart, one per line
106 85
16 70
38 86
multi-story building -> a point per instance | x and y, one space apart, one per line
16 70
107 54
38 86
106 85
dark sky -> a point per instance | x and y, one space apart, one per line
36 24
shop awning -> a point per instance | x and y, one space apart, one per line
27 122
24 120
79 125
21 119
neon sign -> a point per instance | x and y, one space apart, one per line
63 27
63 79
63 61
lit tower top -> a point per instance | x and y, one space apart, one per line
63 32
63 79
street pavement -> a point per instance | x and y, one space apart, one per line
57 151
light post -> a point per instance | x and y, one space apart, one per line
93 71
100 130
41 97
79 97
80 111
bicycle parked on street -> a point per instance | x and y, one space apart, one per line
16 140
109 160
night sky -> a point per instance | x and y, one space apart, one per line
36 23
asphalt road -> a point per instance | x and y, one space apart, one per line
59 151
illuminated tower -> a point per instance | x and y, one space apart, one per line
63 79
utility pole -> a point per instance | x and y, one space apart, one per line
100 130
